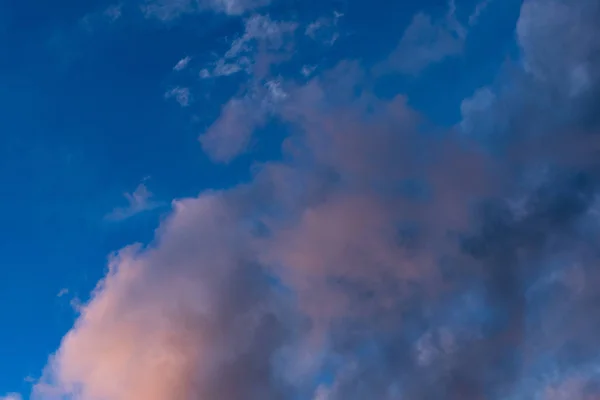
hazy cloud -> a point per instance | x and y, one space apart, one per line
181 94
427 41
182 64
138 201
167 10
261 43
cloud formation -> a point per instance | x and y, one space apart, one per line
181 94
379 258
138 201
11 396
427 41
168 10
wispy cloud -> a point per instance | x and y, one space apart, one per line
11 396
92 21
62 292
230 135
261 36
182 64
324 29
478 11
427 41
307 70
181 94
168 10
140 200
113 12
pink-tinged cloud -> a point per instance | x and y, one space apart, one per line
379 249
183 318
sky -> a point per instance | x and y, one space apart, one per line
299 200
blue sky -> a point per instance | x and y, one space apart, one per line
239 140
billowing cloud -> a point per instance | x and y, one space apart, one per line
190 316
378 258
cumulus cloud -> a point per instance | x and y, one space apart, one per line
168 322
385 258
114 12
139 200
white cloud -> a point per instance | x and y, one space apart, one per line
181 94
182 64
62 292
138 201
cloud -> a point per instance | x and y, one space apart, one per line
12 396
569 63
324 29
62 292
190 317
168 10
114 12
182 64
377 258
181 94
263 42
478 11
475 110
307 70
235 7
92 21
139 201
427 41
230 135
